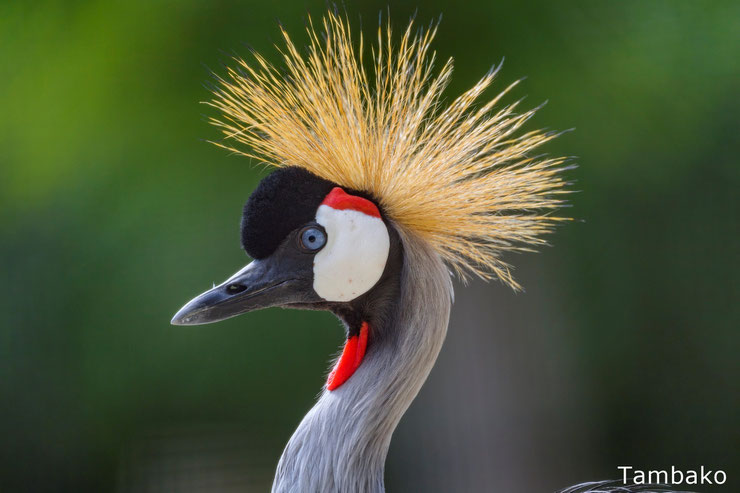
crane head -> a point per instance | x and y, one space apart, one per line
365 158
314 245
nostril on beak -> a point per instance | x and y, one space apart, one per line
235 288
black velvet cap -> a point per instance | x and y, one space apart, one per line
283 201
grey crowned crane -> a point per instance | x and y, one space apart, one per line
380 195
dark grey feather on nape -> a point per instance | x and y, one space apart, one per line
617 486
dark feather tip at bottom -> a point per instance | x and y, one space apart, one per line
617 486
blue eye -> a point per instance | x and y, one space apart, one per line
312 238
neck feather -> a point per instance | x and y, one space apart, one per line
342 442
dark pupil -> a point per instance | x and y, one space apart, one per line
313 239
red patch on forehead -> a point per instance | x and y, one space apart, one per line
341 200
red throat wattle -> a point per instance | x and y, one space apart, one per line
352 354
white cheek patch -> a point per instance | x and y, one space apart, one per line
354 256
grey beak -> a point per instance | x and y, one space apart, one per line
261 284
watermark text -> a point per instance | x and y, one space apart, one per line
673 476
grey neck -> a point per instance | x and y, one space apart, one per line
342 442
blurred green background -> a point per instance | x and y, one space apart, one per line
114 211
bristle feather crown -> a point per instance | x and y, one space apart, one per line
460 175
